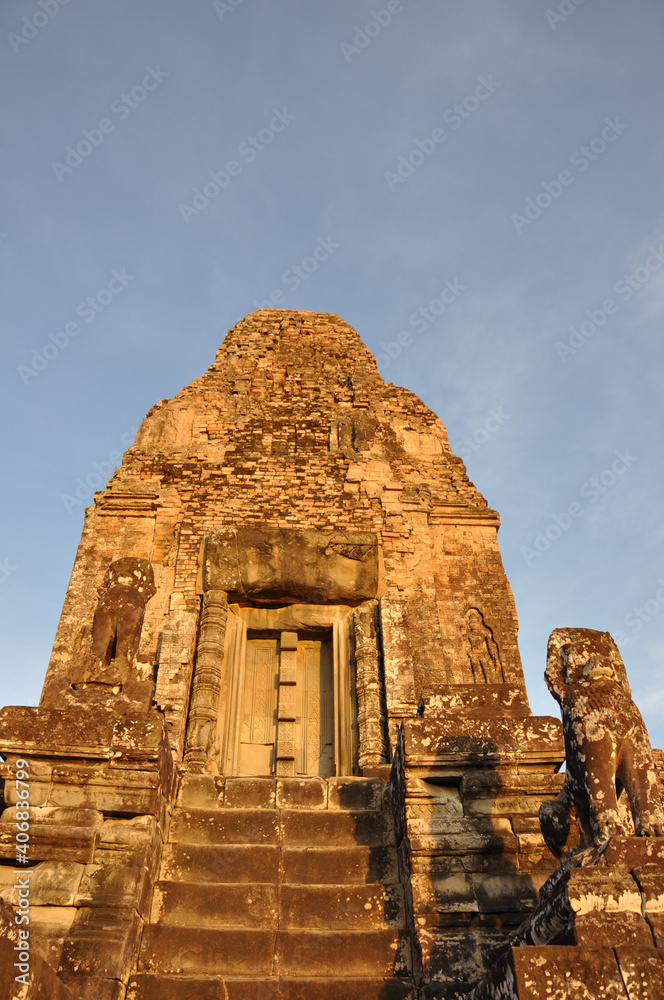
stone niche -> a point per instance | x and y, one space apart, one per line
264 565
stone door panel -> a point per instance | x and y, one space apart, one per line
312 732
287 702
258 731
314 713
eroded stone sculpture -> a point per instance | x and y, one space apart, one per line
118 619
606 743
483 651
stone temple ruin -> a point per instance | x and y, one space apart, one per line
284 747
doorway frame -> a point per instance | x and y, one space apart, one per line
300 618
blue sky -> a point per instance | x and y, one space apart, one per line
487 179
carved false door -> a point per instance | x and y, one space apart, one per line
314 713
258 724
287 707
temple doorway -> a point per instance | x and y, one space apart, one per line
287 705
287 702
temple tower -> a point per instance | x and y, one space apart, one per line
284 746
291 475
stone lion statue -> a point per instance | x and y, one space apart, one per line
606 744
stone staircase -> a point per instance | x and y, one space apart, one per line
277 889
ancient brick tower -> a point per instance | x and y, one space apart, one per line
284 747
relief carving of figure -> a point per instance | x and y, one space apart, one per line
483 650
118 620
606 744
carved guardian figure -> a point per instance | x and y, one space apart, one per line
606 744
483 653
118 619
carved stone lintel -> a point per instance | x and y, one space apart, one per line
207 681
368 684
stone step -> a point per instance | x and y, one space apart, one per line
339 865
224 863
263 953
342 953
205 951
224 826
197 904
220 863
335 829
288 826
150 986
341 907
330 907
206 791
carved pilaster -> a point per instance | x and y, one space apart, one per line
207 681
370 720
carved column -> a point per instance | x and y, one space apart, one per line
368 686
207 681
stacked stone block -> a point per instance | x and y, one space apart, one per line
100 791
